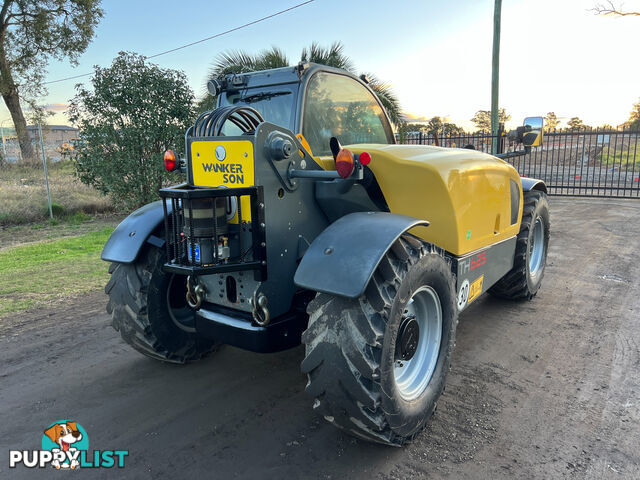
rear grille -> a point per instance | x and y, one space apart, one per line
199 240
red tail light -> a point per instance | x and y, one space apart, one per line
344 163
169 161
365 158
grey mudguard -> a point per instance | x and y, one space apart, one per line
529 184
127 239
342 259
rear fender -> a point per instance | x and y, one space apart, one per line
342 259
127 240
529 184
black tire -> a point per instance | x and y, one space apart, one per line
138 304
519 283
351 346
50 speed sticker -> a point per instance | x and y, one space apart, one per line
463 295
475 289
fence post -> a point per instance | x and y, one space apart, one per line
4 147
46 174
500 138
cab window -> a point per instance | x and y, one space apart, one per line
338 106
276 104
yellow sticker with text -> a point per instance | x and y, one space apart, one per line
228 163
475 289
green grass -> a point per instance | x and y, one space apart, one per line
627 159
35 275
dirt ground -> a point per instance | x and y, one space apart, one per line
542 389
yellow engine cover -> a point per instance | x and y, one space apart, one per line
464 194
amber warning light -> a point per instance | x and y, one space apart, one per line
169 161
344 163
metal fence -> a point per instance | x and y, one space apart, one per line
594 163
11 150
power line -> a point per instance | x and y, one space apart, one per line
68 78
200 41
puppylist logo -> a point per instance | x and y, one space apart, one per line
65 445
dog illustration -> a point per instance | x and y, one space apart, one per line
65 435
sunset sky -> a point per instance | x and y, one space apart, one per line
555 55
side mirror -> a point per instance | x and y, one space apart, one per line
533 132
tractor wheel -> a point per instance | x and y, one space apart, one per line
376 365
524 279
148 307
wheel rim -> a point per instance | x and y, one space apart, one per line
181 315
536 248
413 375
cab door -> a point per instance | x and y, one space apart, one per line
340 106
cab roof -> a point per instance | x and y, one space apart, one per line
277 76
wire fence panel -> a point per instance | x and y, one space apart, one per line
54 150
594 163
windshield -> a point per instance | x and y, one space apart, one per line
276 104
339 106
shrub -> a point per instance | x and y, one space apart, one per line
133 113
57 209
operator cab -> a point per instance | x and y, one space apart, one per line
318 101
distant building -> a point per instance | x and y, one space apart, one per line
53 134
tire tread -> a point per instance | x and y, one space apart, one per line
514 285
127 290
343 370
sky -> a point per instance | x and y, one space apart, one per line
556 55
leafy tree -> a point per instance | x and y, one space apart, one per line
242 62
434 127
402 132
414 127
32 32
634 117
482 119
452 129
134 112
576 124
551 122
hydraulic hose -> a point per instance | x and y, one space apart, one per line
211 123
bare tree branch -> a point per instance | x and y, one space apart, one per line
611 9
3 14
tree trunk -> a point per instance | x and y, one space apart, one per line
12 100
26 147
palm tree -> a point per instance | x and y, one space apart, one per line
332 56
242 62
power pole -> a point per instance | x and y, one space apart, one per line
495 75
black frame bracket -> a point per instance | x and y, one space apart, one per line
179 197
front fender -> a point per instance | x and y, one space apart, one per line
342 259
129 237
